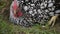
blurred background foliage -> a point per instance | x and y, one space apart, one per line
4 5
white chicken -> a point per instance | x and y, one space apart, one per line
12 10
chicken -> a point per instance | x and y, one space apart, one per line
26 12
15 12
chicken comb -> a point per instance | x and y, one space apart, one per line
15 5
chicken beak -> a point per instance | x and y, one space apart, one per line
14 11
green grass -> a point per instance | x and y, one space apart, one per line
9 28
